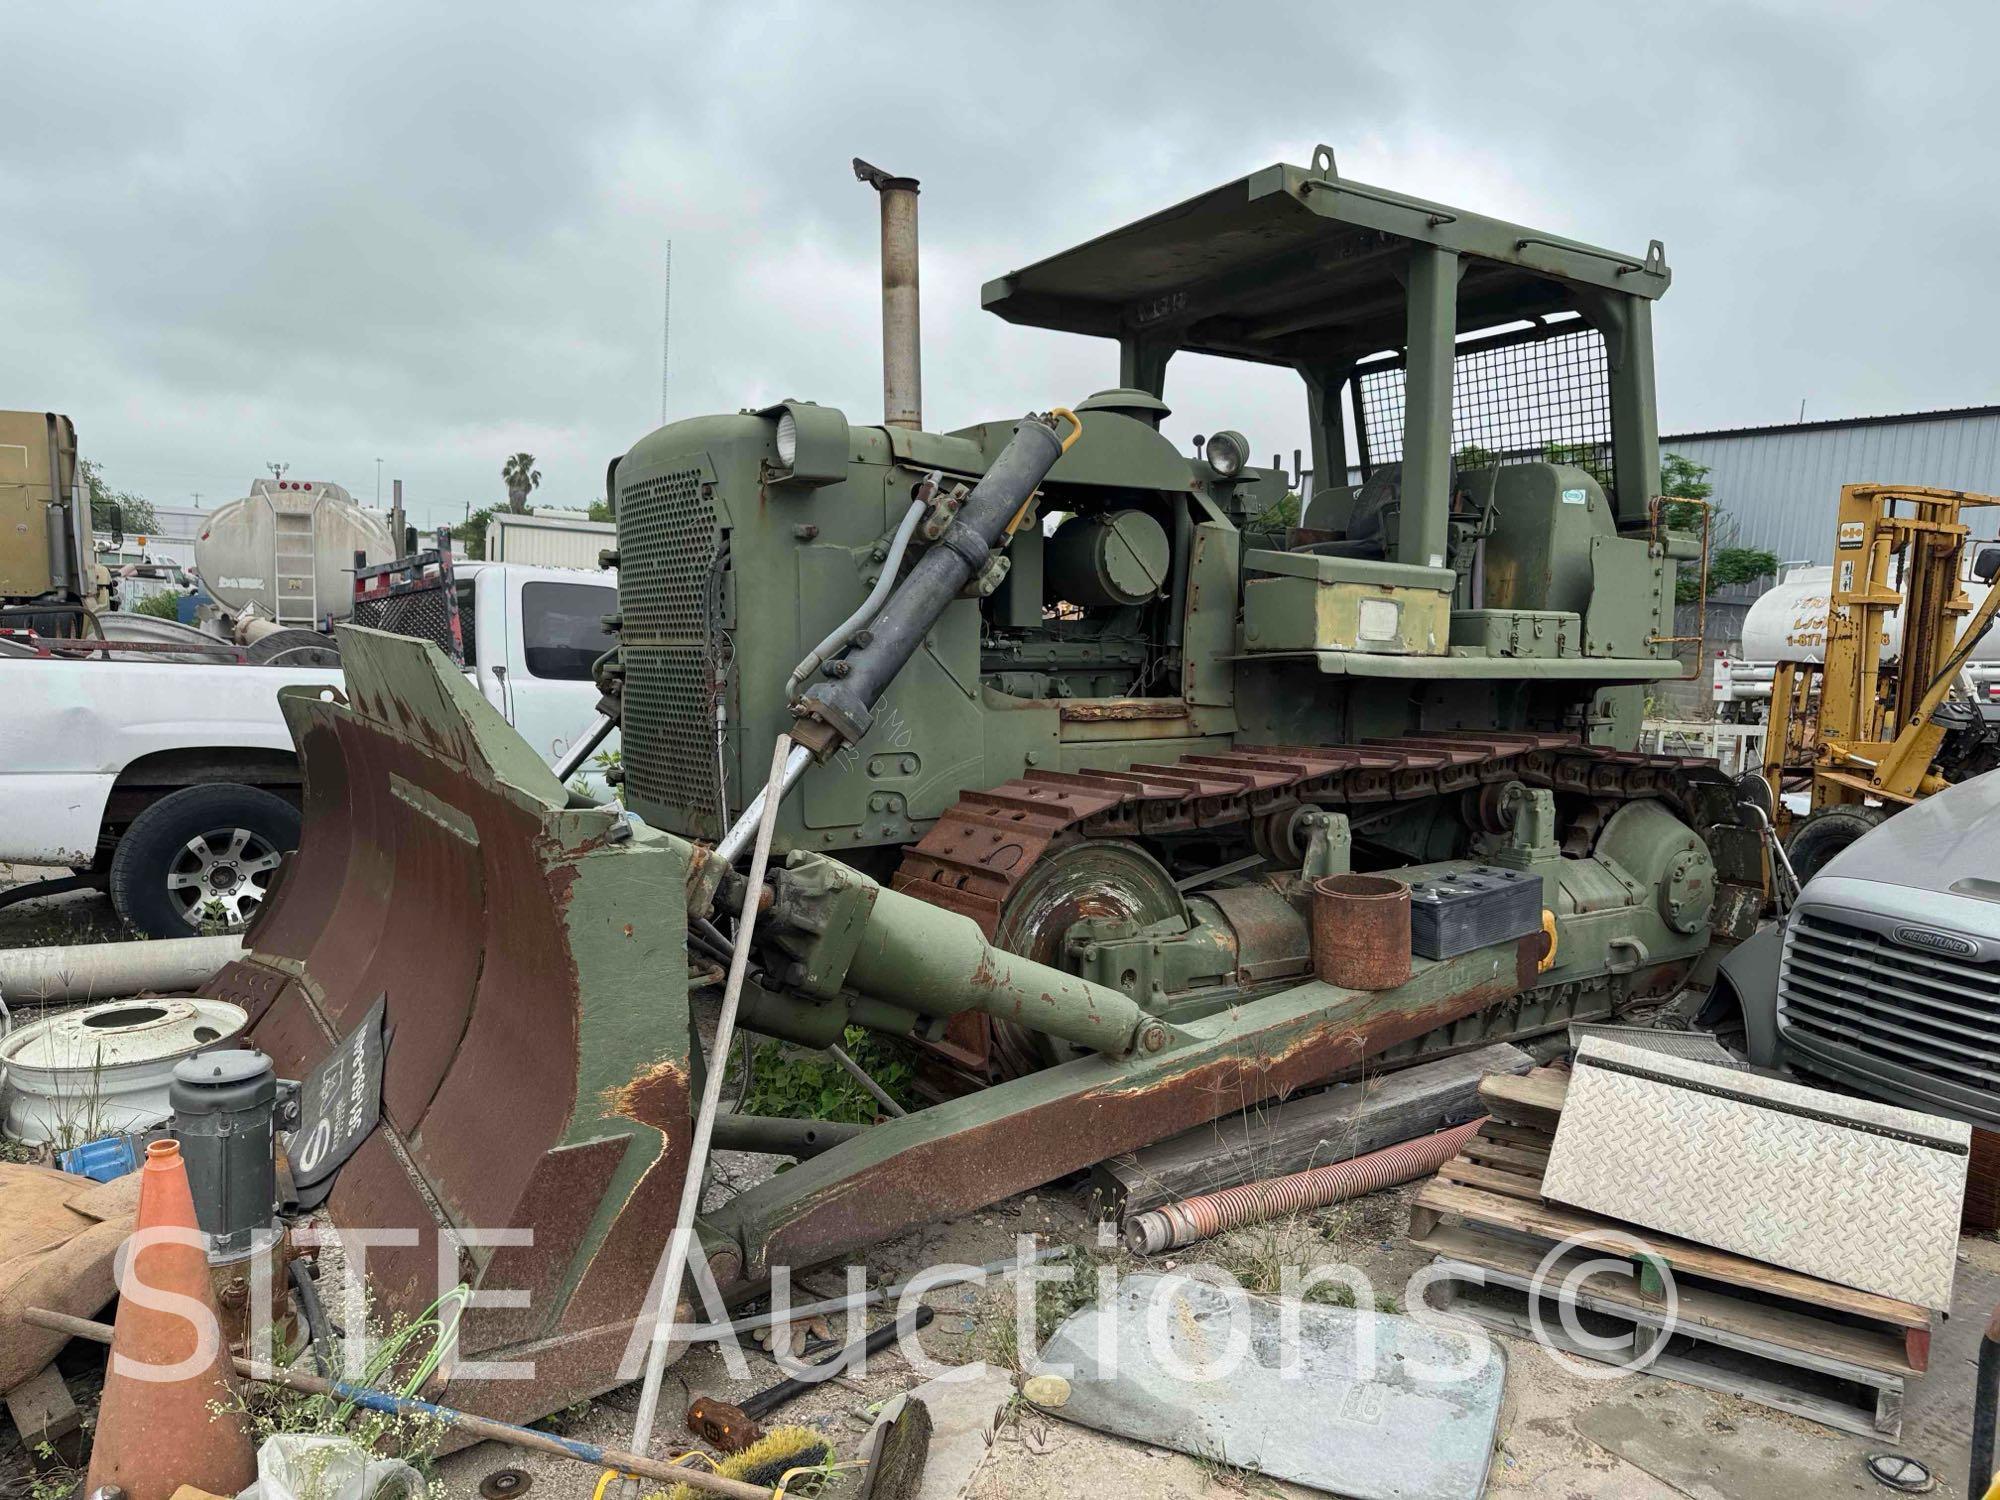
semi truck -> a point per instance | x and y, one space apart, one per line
50 577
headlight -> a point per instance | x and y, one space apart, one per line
1226 454
811 443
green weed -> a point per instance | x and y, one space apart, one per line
798 1085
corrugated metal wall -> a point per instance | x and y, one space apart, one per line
1779 485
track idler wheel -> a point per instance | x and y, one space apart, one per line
1077 879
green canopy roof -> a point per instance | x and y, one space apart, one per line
1291 265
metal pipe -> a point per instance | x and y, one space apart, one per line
571 760
103 971
1210 1214
859 1074
668 1311
768 1400
745 827
462 1421
902 340
1361 931
773 1135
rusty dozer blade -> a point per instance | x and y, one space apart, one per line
533 958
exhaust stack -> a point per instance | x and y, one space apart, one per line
902 361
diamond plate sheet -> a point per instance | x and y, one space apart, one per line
1697 1046
1853 1191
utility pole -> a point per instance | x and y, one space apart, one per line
666 330
197 499
378 484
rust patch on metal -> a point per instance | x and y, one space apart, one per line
649 1093
1106 710
1528 953
965 1169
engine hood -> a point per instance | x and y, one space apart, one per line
1944 843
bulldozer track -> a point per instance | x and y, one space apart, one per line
980 850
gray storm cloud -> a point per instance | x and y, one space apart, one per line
433 235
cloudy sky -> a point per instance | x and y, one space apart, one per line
433 235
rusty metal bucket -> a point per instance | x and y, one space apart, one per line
533 959
1361 931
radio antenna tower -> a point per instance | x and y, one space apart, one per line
666 330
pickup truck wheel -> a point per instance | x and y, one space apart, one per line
1819 836
201 859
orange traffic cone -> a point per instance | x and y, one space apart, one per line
170 1414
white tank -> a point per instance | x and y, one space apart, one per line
288 548
1788 621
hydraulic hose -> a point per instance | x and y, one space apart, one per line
839 710
846 630
310 1308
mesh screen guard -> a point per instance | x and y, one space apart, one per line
1542 400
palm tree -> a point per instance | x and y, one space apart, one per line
522 476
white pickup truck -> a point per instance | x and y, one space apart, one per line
174 784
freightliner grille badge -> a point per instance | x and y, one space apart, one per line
1937 942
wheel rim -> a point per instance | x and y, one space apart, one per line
223 875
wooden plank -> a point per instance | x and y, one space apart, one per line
1808 1335
1511 1184
1528 1137
1553 1222
1345 1121
45 1414
1868 1408
1536 1099
1494 1154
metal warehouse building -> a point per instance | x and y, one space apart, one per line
1777 489
1777 486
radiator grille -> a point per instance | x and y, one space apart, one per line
667 546
1845 984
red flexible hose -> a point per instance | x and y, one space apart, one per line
1210 1214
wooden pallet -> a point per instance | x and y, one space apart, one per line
1771 1335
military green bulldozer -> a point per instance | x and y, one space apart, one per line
1043 741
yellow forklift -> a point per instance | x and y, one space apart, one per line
1869 736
